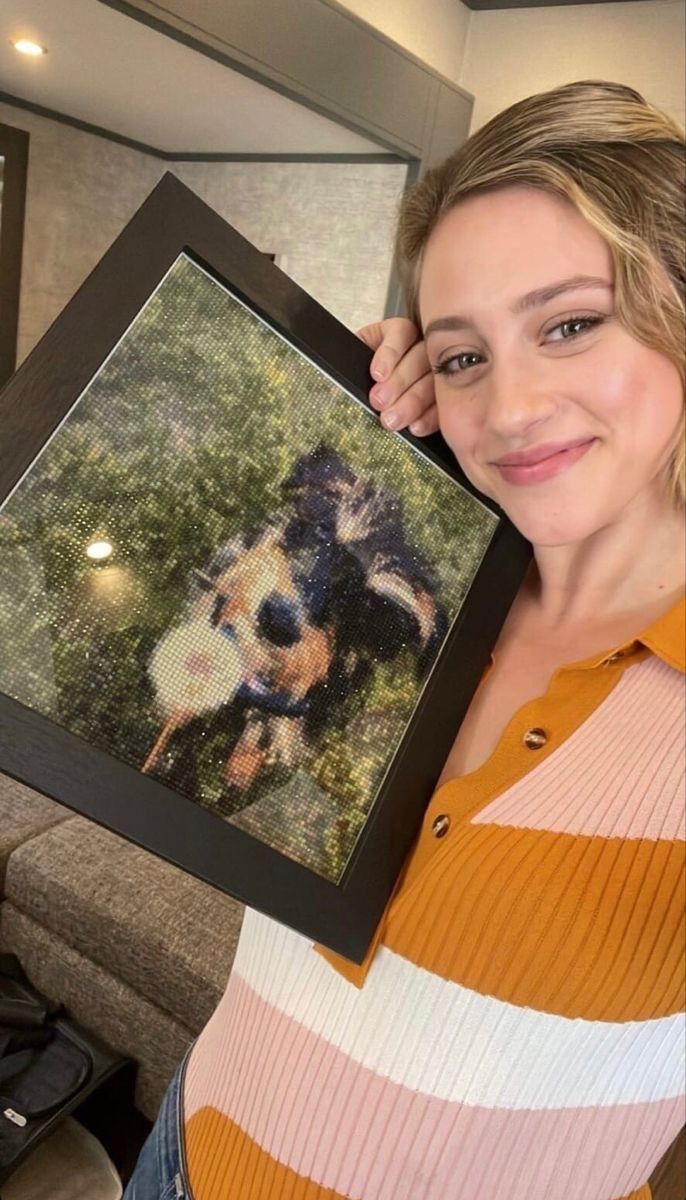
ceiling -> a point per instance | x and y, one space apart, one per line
114 72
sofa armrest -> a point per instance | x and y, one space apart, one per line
23 815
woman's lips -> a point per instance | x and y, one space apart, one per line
541 462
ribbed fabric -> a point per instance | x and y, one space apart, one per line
516 1031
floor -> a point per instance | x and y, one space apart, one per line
95 1151
71 1164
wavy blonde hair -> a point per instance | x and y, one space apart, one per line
620 162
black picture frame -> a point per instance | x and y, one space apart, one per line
42 754
14 151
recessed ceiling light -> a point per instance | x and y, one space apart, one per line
24 46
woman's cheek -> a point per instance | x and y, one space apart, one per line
461 439
452 428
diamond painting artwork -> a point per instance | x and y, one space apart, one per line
223 571
240 622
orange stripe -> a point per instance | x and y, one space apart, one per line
578 926
225 1164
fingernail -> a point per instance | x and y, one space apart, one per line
391 420
380 369
417 427
379 395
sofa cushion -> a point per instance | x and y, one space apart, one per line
161 931
101 1002
23 814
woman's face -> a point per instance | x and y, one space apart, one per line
551 407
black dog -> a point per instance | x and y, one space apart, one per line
313 600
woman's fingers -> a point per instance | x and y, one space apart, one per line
390 339
415 407
404 388
410 369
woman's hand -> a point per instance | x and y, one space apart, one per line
404 388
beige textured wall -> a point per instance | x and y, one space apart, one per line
81 190
512 53
333 222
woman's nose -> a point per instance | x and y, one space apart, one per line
519 399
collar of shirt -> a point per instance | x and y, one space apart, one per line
666 638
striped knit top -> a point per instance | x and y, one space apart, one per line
516 1031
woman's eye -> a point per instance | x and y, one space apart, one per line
573 327
455 364
564 331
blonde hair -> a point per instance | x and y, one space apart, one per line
620 162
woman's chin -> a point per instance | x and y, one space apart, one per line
544 528
541 521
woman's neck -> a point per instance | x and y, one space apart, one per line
632 568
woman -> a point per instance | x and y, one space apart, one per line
515 1031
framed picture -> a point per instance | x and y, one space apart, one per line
239 621
14 149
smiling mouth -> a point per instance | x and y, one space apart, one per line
543 462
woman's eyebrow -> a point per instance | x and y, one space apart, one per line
543 294
531 300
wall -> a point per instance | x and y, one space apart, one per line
332 221
80 192
500 56
435 31
512 53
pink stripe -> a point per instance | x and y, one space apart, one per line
339 1124
620 775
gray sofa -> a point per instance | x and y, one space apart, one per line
137 950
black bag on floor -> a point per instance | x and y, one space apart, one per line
48 1065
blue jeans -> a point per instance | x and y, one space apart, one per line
160 1172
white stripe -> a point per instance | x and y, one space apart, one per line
444 1040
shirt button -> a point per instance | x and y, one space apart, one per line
441 825
535 738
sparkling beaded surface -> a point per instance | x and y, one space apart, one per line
280 578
